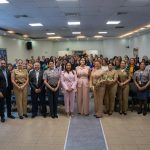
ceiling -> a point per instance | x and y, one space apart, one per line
54 15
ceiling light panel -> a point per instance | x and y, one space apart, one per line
98 36
4 1
36 24
75 33
10 31
81 37
103 32
54 37
50 33
73 23
113 22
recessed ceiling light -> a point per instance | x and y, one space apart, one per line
98 36
25 36
103 32
4 1
113 22
54 37
74 23
81 37
50 33
147 26
135 31
142 29
76 33
36 24
10 31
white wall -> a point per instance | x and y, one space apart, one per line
112 47
142 43
17 49
109 47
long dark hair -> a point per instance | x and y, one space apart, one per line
70 69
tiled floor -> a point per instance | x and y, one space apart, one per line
34 134
131 132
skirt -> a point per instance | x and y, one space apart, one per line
143 95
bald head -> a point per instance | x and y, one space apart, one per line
37 66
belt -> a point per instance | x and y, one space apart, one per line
53 85
20 84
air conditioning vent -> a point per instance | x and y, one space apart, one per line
21 16
72 14
122 13
119 27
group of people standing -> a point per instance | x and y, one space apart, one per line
108 80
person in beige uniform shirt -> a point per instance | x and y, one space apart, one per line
98 87
111 89
20 81
123 87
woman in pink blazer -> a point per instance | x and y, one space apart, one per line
83 73
69 82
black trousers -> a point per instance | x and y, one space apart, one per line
41 97
8 102
2 107
53 101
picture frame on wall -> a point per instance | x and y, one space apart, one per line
135 52
3 54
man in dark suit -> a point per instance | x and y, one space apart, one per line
5 91
37 90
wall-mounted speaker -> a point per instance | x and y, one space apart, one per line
29 45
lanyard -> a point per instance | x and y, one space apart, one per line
141 74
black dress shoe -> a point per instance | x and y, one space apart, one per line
33 116
52 116
144 113
56 116
25 115
139 112
11 117
21 117
124 113
44 116
120 113
109 114
2 120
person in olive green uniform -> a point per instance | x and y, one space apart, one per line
111 89
20 81
123 88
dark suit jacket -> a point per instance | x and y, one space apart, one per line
3 87
33 82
